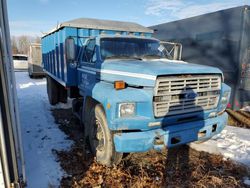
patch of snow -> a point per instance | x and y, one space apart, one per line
26 85
233 143
60 105
246 181
1 175
39 132
246 108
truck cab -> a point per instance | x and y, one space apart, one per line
133 96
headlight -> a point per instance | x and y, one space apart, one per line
225 98
224 101
126 109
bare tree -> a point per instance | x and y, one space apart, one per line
20 44
14 45
37 40
23 44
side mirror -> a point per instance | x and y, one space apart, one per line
174 50
70 49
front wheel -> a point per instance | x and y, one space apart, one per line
101 138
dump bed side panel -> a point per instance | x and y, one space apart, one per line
211 39
53 56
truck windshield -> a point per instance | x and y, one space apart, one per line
130 48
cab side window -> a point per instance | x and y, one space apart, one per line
89 52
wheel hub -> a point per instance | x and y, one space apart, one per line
99 137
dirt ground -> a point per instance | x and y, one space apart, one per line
178 167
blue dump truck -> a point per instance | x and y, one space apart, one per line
130 94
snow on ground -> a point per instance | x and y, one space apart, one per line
246 181
233 143
39 133
63 105
1 175
246 108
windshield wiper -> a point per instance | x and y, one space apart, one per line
123 57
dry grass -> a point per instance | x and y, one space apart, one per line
177 167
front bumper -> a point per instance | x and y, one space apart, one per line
170 136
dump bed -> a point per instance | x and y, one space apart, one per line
53 43
35 60
220 39
35 56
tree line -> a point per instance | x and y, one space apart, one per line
20 44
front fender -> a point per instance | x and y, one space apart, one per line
110 98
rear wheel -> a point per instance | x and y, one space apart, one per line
63 95
30 74
101 138
52 90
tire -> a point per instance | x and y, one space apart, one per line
101 138
52 91
63 95
30 75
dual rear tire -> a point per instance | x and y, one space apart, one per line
56 92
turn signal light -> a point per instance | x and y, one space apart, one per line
119 85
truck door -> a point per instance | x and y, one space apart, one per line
88 69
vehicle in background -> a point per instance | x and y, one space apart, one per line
20 62
12 169
35 60
129 92
220 39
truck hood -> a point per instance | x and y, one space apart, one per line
144 73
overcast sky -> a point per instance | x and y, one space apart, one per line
32 17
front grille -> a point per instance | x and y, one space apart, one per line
175 95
